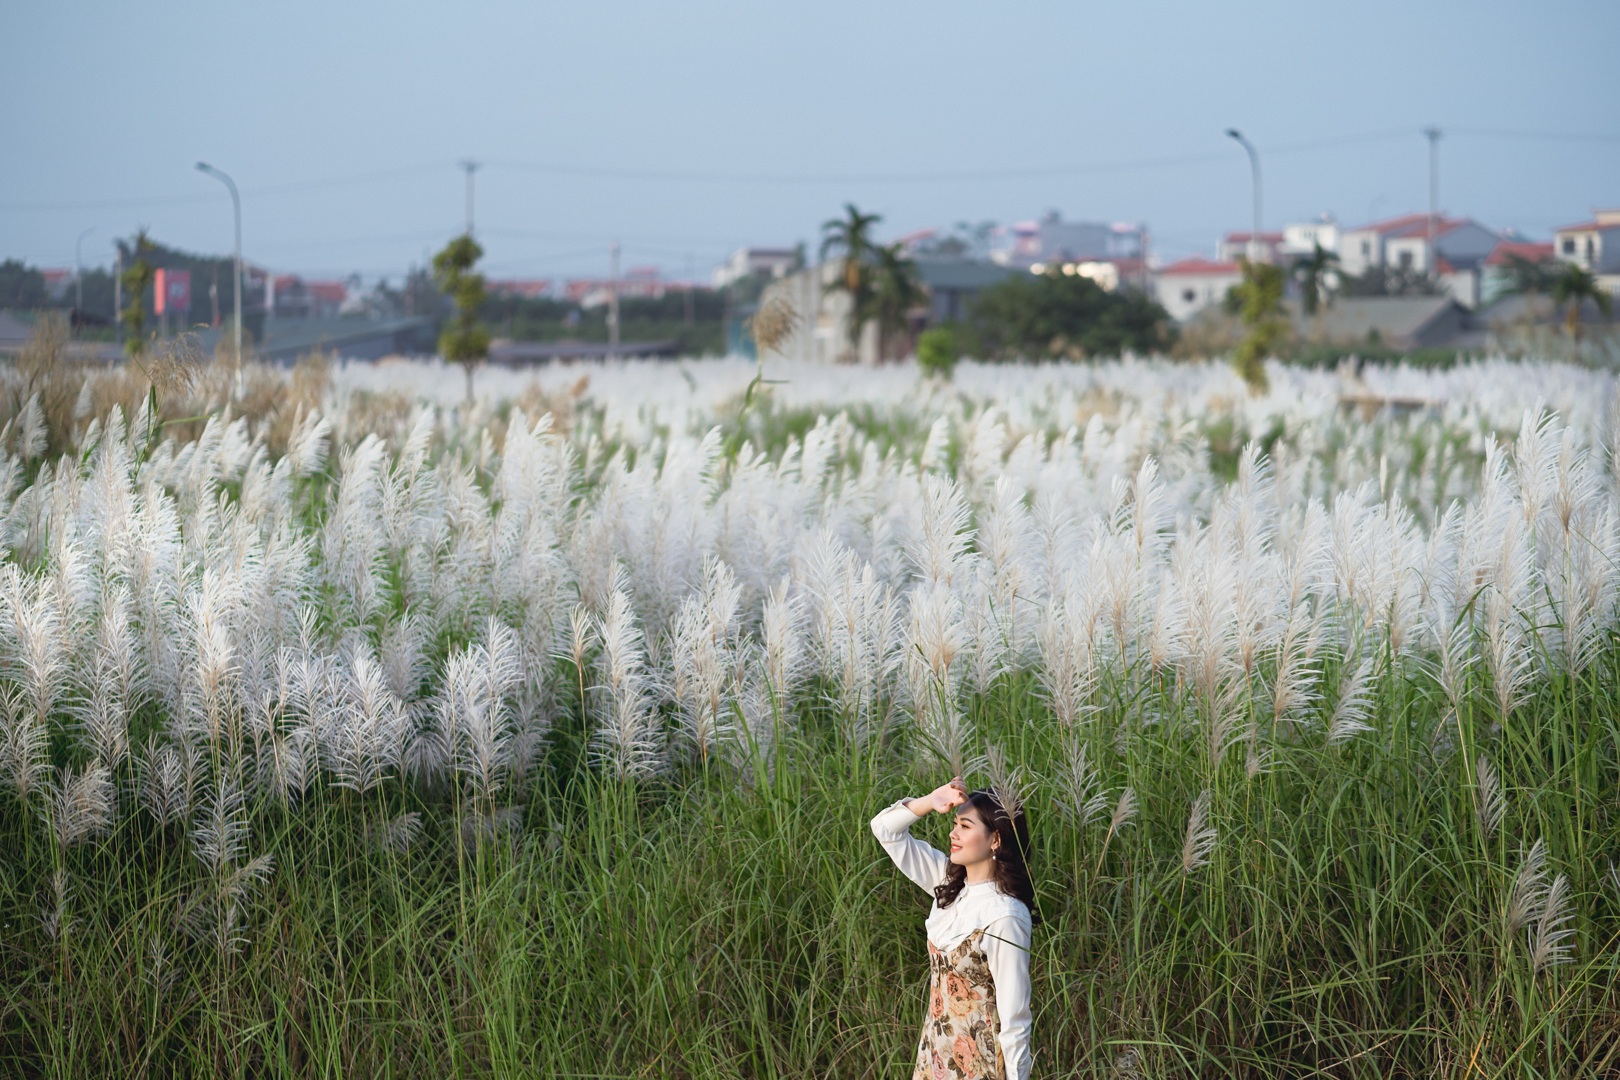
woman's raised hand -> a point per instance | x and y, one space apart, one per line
948 797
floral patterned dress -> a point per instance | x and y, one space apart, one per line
959 1033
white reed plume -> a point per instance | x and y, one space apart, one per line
1067 672
24 744
475 707
941 546
1080 787
1124 814
1550 942
78 807
706 652
32 649
352 539
1354 707
282 769
219 832
1200 838
396 835
33 432
307 445
782 638
55 920
367 727
1528 897
167 777
626 737
948 736
1294 686
1490 806
935 639
1007 781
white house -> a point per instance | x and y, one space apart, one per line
1303 238
1184 288
1594 246
772 262
1461 246
1236 245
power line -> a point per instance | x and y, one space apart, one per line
1538 136
293 188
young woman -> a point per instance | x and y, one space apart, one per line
977 1025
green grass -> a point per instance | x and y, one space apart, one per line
740 921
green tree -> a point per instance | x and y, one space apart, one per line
21 286
1259 300
136 279
897 288
1569 288
1314 272
850 237
1389 281
1528 276
464 341
938 350
1055 315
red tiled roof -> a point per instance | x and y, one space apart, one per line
1411 225
1198 266
1524 249
334 292
1243 237
1586 226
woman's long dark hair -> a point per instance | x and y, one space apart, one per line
1010 873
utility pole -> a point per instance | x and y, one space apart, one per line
236 204
689 282
78 273
471 166
1254 169
613 299
1433 134
118 291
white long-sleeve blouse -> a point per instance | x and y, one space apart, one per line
1004 919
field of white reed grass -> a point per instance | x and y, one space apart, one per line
349 727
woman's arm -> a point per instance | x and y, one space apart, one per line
1006 950
922 863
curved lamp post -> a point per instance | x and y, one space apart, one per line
1254 167
236 203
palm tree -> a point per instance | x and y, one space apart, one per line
1315 274
851 238
1572 286
896 289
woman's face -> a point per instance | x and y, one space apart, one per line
972 841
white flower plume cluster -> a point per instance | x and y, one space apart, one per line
419 603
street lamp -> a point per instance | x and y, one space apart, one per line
236 203
78 272
1254 167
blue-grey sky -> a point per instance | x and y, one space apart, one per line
686 129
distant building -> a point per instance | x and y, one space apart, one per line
953 284
57 284
1187 287
772 262
1402 243
1236 245
1052 240
525 289
1495 277
292 297
1594 246
1305 237
642 282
